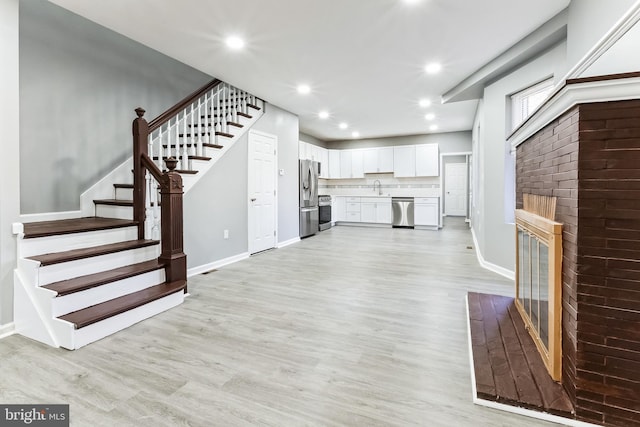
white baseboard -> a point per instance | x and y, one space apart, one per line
7 330
288 242
50 216
216 264
508 408
509 274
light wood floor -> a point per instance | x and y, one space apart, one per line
352 327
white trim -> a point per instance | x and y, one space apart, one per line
509 274
50 216
441 201
619 29
288 242
276 185
574 94
216 264
508 408
7 329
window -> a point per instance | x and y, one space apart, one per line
525 102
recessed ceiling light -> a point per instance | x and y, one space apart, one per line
234 42
433 68
355 134
430 116
343 125
304 89
424 103
433 127
323 114
411 1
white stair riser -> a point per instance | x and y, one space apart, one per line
79 300
109 211
124 193
68 270
66 242
99 330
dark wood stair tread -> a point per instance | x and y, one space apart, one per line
248 116
255 107
81 283
102 311
113 202
182 135
74 225
213 146
186 172
190 158
76 254
123 185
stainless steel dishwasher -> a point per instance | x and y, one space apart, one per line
402 212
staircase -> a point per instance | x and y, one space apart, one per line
79 280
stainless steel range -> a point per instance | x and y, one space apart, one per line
324 207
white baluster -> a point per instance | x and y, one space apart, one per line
244 102
217 114
206 123
177 138
185 144
180 150
155 234
201 131
147 207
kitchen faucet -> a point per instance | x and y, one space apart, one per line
379 187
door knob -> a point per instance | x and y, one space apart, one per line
253 200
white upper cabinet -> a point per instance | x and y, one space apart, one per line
427 160
378 160
351 164
334 164
324 162
404 161
357 164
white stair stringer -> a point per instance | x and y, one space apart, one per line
36 309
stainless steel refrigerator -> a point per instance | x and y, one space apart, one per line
309 217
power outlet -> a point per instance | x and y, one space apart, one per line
226 234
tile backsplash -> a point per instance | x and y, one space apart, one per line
391 186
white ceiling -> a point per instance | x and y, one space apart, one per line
364 59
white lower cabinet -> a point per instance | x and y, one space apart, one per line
426 211
338 209
352 209
376 210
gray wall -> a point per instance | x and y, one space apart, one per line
589 20
10 176
79 85
495 237
313 140
451 142
219 201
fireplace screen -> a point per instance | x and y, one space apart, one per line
539 284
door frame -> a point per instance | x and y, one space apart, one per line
467 155
276 182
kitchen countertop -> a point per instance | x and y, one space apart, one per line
405 193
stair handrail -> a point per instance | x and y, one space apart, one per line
171 112
170 182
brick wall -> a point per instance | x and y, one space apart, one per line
547 164
590 159
608 352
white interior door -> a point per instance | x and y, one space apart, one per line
455 188
262 191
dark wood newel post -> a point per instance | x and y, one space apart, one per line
140 138
172 255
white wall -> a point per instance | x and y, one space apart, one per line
219 200
10 176
589 20
495 237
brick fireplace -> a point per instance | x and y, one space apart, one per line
589 158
